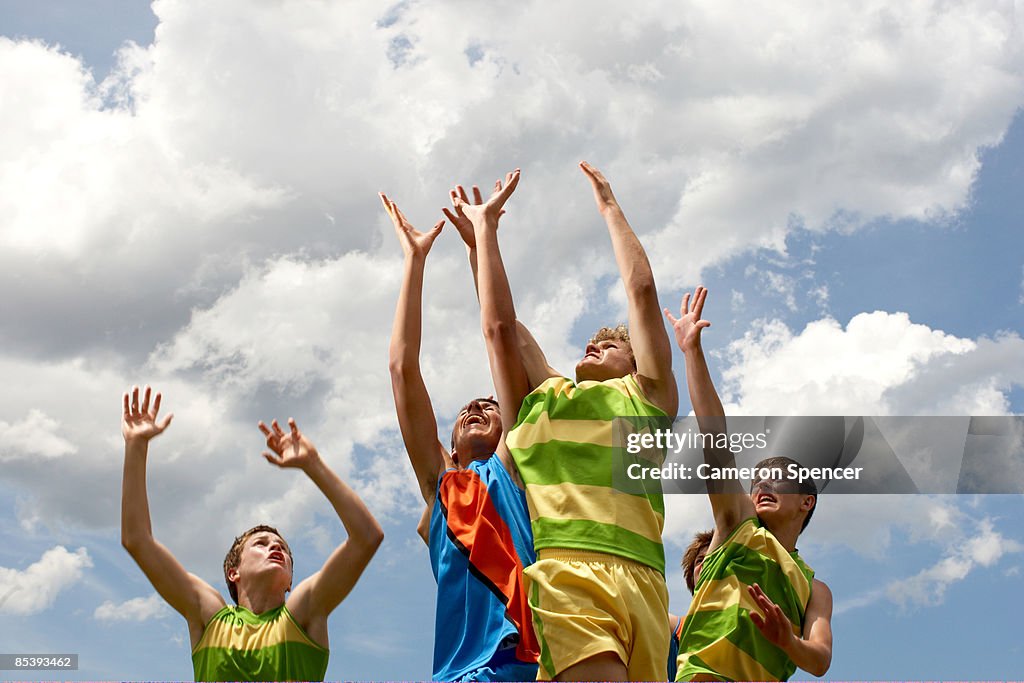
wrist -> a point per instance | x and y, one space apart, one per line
313 465
610 209
415 258
693 347
136 445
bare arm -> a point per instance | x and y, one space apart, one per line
316 597
497 311
730 504
536 364
650 343
189 595
412 402
813 651
534 360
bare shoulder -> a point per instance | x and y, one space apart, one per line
821 594
209 602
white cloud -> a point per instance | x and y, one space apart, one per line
880 364
929 586
205 218
35 435
36 588
136 609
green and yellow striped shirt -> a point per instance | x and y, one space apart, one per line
718 637
564 448
238 645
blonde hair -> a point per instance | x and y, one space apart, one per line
618 333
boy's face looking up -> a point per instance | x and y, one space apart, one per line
778 501
477 430
609 355
262 555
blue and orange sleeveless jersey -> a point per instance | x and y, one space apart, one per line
480 541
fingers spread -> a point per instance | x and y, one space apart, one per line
698 305
156 404
477 197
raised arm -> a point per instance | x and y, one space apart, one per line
316 597
497 312
812 650
189 595
730 504
415 414
651 347
536 364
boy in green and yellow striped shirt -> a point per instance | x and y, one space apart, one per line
269 634
597 590
758 613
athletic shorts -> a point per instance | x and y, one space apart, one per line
586 603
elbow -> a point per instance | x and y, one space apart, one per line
400 367
499 331
131 542
641 285
373 537
820 667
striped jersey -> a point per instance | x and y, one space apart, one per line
718 635
238 645
563 447
480 542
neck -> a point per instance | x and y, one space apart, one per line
258 603
786 534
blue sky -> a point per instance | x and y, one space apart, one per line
198 211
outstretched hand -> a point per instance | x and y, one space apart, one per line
291 448
602 188
689 324
459 218
413 241
491 210
138 421
774 625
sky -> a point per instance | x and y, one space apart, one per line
188 200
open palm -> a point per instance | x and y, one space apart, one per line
291 448
412 240
688 325
139 419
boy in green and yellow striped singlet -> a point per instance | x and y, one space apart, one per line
267 635
758 613
597 589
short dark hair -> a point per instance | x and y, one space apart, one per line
478 400
701 541
234 555
806 487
